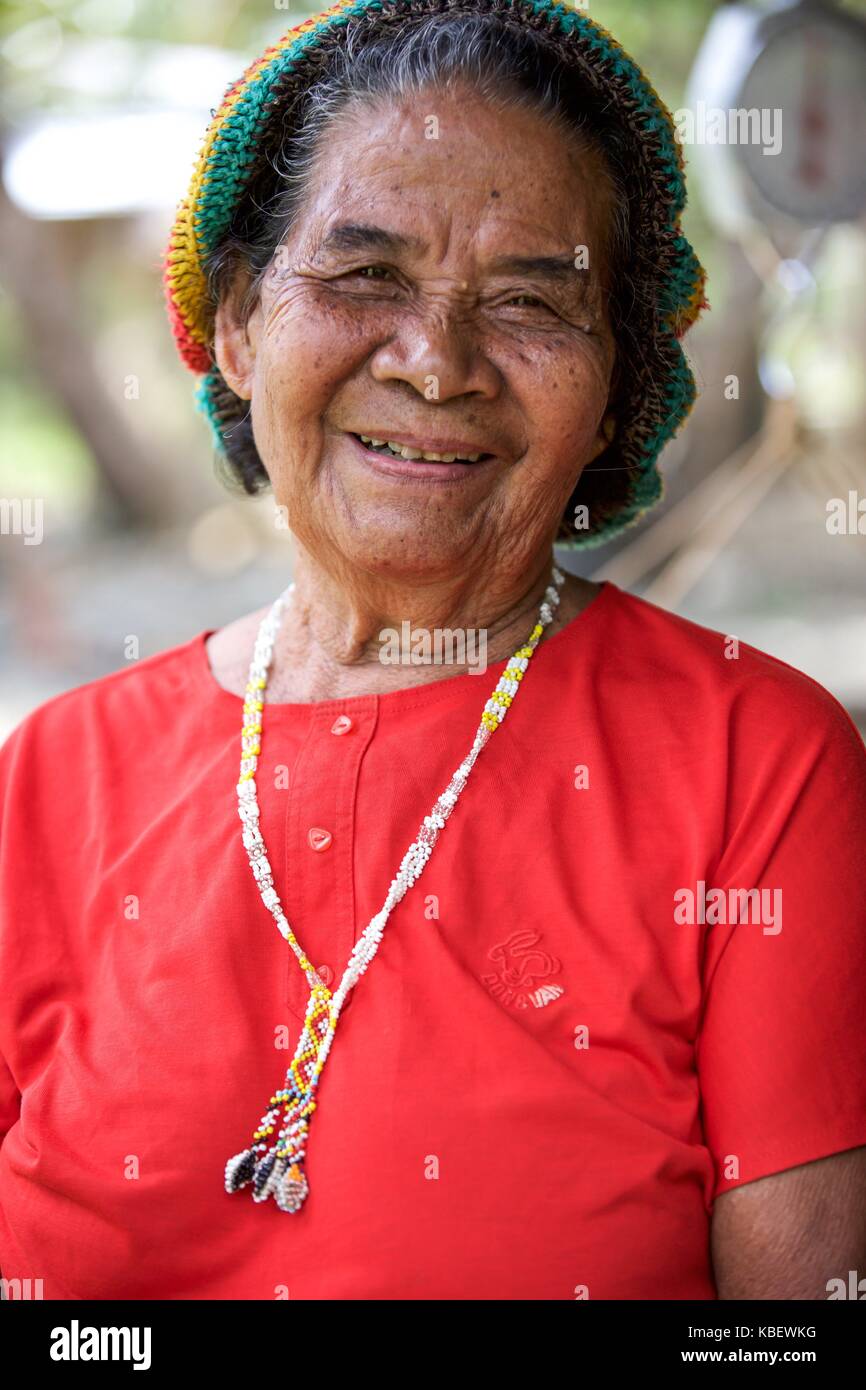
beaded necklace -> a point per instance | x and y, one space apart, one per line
276 1167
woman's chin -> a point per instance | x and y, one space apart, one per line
407 554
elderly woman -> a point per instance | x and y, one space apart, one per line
417 1001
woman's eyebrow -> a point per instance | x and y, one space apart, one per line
557 269
363 236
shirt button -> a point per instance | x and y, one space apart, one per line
342 724
325 974
319 839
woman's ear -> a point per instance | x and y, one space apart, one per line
606 435
234 342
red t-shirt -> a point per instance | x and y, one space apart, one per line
564 1049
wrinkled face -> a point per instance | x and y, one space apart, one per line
434 293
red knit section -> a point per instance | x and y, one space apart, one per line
194 354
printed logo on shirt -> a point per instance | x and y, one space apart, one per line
521 965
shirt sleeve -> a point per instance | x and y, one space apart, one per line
781 1050
10 1099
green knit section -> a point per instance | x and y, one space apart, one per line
204 400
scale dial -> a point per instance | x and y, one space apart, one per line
814 70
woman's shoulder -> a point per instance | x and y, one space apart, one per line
699 672
140 695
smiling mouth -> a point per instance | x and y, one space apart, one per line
407 451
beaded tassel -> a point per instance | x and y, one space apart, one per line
276 1168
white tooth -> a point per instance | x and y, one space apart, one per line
365 439
407 452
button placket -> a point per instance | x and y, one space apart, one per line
320 832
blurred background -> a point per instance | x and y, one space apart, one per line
117 538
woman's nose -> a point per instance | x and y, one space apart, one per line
440 355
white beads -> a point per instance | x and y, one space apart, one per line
260 867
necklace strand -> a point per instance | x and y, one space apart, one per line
276 1167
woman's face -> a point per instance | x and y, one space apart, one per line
429 295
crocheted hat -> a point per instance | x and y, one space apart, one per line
658 386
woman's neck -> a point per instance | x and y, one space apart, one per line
338 640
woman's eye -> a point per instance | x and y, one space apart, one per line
529 301
370 272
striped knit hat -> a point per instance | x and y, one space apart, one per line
657 389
